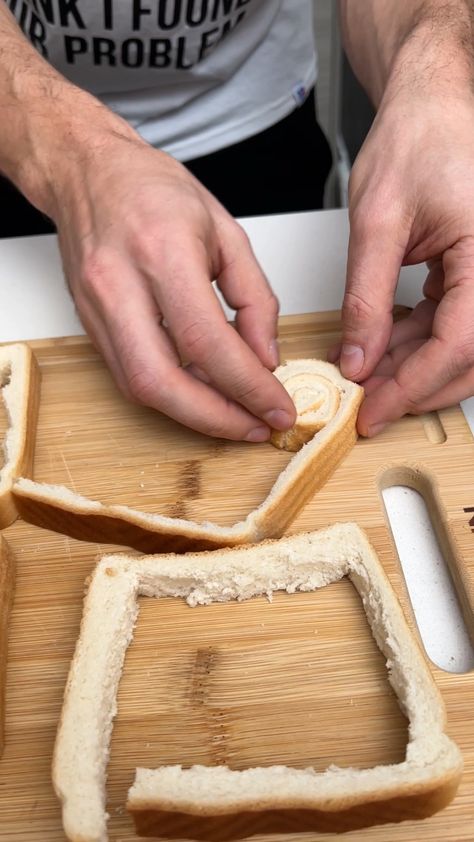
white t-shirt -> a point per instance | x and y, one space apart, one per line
192 76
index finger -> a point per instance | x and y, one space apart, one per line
132 338
246 289
202 335
376 250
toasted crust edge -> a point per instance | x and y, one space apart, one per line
151 822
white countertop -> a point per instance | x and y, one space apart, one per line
304 257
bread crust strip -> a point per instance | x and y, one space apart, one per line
162 799
58 508
20 388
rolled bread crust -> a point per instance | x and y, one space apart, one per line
317 389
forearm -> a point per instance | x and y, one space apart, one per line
410 44
45 121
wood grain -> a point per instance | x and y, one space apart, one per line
7 585
298 681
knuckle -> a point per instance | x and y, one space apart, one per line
216 429
272 304
148 242
244 391
455 347
463 356
374 212
414 405
410 401
196 343
237 243
357 310
458 261
267 303
98 275
367 225
241 237
144 387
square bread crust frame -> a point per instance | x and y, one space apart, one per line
423 783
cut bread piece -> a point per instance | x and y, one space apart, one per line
7 587
56 507
163 800
19 384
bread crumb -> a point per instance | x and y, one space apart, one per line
110 571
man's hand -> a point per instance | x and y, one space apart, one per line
141 241
412 200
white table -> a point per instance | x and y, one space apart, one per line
304 257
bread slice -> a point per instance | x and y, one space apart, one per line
7 586
56 507
19 383
162 798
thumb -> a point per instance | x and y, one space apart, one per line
373 265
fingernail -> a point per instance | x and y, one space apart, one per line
274 352
376 428
352 360
258 434
278 419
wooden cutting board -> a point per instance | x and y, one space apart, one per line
298 681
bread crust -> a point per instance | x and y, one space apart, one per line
59 509
18 365
109 525
152 822
205 800
316 395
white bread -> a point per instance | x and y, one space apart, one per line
425 781
316 392
56 507
7 587
19 384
